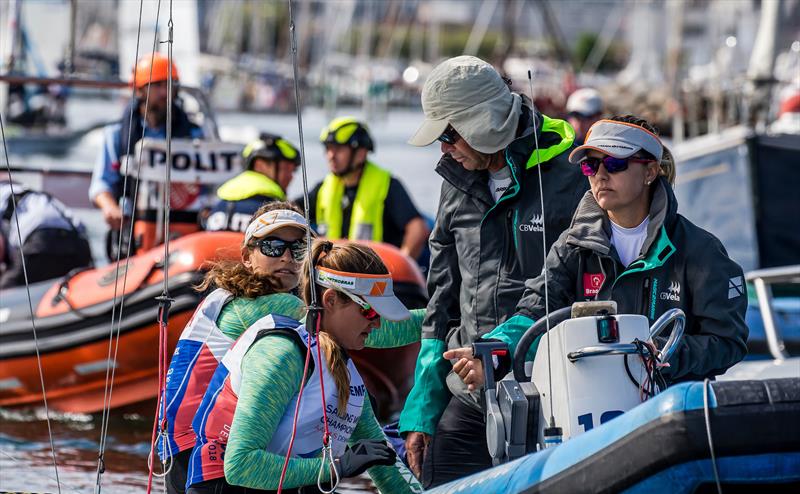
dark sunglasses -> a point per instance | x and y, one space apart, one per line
275 247
449 136
589 166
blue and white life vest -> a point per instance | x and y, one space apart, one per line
197 355
212 424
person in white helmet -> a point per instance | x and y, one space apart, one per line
584 108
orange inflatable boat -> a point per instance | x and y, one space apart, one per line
73 320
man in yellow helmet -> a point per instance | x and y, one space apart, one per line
359 200
270 163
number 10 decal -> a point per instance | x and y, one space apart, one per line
586 421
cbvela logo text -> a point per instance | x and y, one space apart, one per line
536 224
673 292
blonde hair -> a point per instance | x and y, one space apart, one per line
666 167
351 258
237 278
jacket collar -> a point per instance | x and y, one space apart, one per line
591 228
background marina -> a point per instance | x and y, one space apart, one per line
693 67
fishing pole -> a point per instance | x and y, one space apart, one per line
552 434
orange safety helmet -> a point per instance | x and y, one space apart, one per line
153 68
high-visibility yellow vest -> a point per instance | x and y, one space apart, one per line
248 184
366 220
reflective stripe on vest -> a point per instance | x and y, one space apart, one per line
212 423
197 355
366 220
249 184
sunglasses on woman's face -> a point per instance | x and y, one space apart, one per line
590 166
364 308
449 136
275 247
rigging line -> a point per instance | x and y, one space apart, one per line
107 404
707 417
30 306
24 464
293 36
544 248
109 384
164 301
168 169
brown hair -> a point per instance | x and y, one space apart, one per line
347 257
666 167
237 278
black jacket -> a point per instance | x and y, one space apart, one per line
680 265
482 251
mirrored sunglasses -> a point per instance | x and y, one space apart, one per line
275 247
449 136
590 166
364 308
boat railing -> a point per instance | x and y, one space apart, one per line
762 280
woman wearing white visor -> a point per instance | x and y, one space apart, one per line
628 243
240 292
252 412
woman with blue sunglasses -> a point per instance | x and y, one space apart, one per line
628 243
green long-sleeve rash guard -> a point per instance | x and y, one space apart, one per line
240 313
271 374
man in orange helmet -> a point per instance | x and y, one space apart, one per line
120 138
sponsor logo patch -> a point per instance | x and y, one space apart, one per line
536 224
592 283
735 287
378 288
673 292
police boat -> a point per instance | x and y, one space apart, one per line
73 317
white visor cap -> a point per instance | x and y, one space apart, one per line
618 139
275 220
374 289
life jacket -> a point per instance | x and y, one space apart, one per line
212 423
239 198
366 219
198 353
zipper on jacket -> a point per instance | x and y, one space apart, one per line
509 239
645 297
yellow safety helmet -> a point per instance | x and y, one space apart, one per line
347 130
270 147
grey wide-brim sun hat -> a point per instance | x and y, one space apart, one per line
470 95
618 139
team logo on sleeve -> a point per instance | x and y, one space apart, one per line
592 282
735 287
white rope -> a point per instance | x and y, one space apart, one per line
544 250
293 36
30 305
114 338
327 454
707 416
